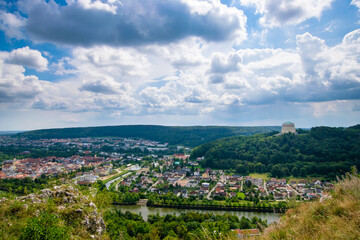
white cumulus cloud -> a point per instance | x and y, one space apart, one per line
28 58
283 12
356 3
12 24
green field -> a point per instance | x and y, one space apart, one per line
115 176
297 179
263 176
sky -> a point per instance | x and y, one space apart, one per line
75 63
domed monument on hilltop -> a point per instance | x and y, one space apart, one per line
288 127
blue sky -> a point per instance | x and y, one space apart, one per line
180 62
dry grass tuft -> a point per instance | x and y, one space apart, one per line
335 218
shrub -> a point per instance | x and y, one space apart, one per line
46 226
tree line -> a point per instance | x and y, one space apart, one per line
186 226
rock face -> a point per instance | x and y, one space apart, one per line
75 208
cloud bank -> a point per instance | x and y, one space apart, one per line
131 22
121 79
180 60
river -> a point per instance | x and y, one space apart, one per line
146 211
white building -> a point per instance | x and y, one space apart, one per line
288 127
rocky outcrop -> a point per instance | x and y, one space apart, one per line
75 208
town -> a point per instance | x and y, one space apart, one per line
149 170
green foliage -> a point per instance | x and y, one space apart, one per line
46 226
24 186
240 195
104 199
322 151
189 136
186 226
66 214
100 185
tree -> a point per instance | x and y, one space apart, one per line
276 171
100 185
285 172
103 199
303 172
26 191
295 172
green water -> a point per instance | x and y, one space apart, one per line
146 211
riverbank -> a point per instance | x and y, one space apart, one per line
221 207
213 207
145 211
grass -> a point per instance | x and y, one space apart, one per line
297 179
243 202
113 172
240 195
115 176
263 176
8 195
273 203
199 167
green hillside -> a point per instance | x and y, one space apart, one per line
188 136
323 151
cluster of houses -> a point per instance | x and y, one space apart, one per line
35 167
304 189
182 181
210 183
87 144
279 189
310 190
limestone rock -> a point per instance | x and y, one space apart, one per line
71 203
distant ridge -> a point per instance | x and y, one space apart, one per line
185 135
10 132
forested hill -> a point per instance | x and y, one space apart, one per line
188 136
321 151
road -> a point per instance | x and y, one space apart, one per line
293 189
267 193
152 186
209 194
108 184
123 176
